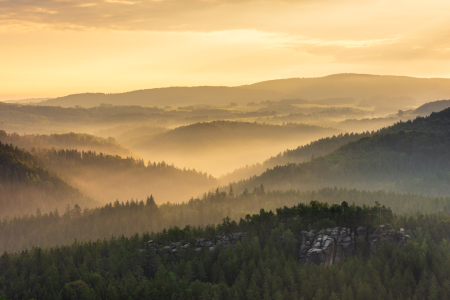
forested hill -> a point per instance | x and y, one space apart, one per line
207 134
79 141
107 178
212 95
300 154
435 122
26 186
409 157
139 216
261 265
219 147
431 107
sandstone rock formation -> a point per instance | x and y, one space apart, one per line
198 244
332 245
323 248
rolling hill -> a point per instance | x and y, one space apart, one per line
173 96
366 89
108 178
79 141
221 146
26 186
329 144
408 157
362 87
431 107
298 155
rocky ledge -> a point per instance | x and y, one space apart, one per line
329 246
198 244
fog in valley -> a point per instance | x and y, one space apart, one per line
106 150
224 150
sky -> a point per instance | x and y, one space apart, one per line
51 48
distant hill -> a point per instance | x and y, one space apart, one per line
361 87
79 141
25 185
408 156
209 133
54 119
126 132
221 146
107 178
298 155
24 101
431 107
369 89
173 96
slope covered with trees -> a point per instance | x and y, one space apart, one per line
220 132
329 144
300 154
409 156
263 266
212 95
431 107
55 119
25 185
220 146
107 178
79 141
134 216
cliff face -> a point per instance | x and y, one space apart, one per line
333 244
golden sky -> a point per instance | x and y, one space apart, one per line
59 47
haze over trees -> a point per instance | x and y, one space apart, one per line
108 177
79 141
25 185
124 208
263 266
226 144
408 157
139 216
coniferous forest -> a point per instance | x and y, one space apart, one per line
277 190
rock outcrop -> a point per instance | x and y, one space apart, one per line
323 248
332 245
198 244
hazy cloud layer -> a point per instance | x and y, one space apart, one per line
69 46
171 15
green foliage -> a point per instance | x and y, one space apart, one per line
394 159
109 177
301 154
127 218
263 266
25 185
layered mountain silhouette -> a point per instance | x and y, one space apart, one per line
372 90
408 157
25 185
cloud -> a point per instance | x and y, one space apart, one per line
156 15
430 45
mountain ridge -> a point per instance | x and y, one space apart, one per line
406 157
360 86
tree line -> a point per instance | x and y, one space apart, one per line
138 216
263 266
